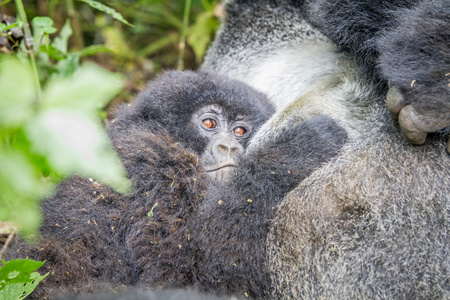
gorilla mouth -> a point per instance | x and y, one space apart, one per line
220 167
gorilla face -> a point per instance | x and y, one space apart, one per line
211 115
226 136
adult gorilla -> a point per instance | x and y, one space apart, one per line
373 223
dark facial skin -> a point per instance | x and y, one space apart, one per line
225 136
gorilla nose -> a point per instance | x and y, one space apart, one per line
227 150
227 147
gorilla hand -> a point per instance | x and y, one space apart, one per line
415 58
414 124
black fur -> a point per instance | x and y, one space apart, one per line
355 26
415 56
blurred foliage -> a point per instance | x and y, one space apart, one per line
139 51
52 99
42 142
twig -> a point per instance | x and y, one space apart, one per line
76 26
8 240
28 39
182 44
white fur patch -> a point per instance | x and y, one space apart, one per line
289 73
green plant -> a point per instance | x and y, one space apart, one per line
49 133
18 278
51 108
161 26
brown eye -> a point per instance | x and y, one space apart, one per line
239 130
209 123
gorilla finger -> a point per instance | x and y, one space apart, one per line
416 124
410 128
394 101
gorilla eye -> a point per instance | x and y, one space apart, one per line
209 123
239 130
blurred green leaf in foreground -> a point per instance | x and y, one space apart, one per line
44 142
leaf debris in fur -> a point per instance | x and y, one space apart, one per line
150 213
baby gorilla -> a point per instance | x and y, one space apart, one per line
181 125
200 208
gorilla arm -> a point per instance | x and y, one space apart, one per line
403 41
415 58
233 220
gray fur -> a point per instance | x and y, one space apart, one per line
370 224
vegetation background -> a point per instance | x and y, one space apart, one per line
62 62
140 51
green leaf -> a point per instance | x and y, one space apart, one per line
4 27
52 52
90 89
115 40
19 173
150 213
68 66
108 10
75 142
200 34
17 92
159 44
207 5
21 186
18 271
60 42
94 49
44 25
21 290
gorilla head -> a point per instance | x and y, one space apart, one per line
213 116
